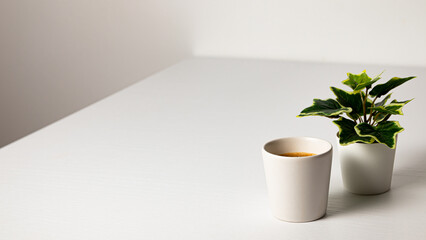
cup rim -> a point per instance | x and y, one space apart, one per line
298 137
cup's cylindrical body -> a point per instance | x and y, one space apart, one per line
366 168
298 186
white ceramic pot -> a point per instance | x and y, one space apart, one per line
366 168
298 186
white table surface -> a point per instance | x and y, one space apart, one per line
178 156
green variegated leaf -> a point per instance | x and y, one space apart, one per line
382 89
383 102
367 84
382 116
325 108
377 77
350 99
360 81
385 132
347 133
401 102
393 108
355 79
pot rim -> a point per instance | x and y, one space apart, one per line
330 148
363 143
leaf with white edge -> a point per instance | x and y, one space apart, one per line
363 85
383 102
380 116
377 77
355 79
326 108
359 81
382 89
402 102
384 132
350 99
347 133
393 108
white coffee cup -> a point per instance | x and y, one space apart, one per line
298 186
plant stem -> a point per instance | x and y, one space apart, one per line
375 117
371 110
364 104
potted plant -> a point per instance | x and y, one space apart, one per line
366 134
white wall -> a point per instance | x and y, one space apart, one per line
356 31
58 56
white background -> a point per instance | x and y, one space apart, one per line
59 56
365 31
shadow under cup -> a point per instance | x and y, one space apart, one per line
298 186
